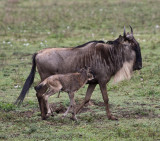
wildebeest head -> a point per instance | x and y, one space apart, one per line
131 54
129 40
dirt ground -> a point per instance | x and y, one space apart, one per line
127 113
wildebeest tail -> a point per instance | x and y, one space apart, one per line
28 82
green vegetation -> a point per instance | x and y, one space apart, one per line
31 25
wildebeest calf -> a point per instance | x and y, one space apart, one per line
69 83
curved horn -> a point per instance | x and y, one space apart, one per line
131 30
124 33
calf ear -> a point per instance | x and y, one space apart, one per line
89 69
81 70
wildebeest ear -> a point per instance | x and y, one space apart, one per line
120 37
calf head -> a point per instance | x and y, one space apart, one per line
87 72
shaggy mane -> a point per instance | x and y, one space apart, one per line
83 45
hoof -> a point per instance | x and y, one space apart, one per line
74 118
112 118
63 117
44 118
48 115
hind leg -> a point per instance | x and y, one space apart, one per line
42 105
52 90
42 97
45 99
39 94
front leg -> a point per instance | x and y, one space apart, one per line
72 105
65 114
89 92
74 109
106 100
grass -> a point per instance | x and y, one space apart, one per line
29 26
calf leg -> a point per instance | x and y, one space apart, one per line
46 95
45 98
74 109
89 92
65 114
39 94
42 105
106 99
72 105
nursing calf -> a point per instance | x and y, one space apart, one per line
69 83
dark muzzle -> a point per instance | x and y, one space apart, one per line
138 66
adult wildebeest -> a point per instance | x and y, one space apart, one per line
70 83
116 58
